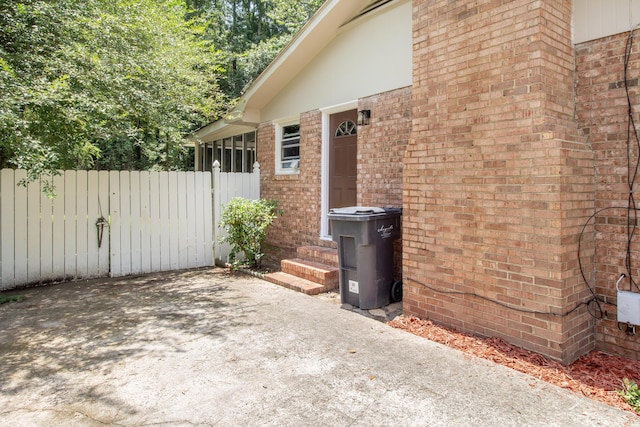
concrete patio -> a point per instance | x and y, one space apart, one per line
210 348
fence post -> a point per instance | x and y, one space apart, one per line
217 209
255 181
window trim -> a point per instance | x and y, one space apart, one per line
280 125
324 179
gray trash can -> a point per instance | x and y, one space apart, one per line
365 237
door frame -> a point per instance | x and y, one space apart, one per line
324 172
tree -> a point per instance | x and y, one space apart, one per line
250 33
102 83
115 84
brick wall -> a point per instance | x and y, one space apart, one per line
381 147
602 112
498 181
297 195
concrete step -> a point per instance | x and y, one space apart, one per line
296 283
322 274
319 254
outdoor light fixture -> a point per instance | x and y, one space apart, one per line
363 117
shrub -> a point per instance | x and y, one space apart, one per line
246 222
631 394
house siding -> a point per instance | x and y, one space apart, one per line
361 60
594 19
602 113
498 180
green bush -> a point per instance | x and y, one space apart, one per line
246 222
631 394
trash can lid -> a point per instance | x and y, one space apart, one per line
358 210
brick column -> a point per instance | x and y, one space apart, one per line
497 179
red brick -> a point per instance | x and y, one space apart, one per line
490 190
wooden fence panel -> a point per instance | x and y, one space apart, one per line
207 237
174 230
155 228
33 231
135 225
104 261
182 223
190 226
93 214
203 220
70 199
81 224
145 223
154 221
155 224
165 255
47 248
98 238
58 229
7 229
114 223
21 231
125 254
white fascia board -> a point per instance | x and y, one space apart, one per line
218 130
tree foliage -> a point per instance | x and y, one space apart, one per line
101 83
116 84
250 33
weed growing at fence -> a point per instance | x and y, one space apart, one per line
246 222
631 394
11 298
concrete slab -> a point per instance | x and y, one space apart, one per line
207 347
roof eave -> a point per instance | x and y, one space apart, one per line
304 46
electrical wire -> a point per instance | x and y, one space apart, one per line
595 298
502 304
632 221
632 174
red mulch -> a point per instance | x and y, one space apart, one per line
596 375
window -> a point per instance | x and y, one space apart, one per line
288 150
235 154
249 151
227 153
346 128
238 146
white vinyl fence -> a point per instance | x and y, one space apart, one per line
226 186
152 221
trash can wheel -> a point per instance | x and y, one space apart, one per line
396 291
